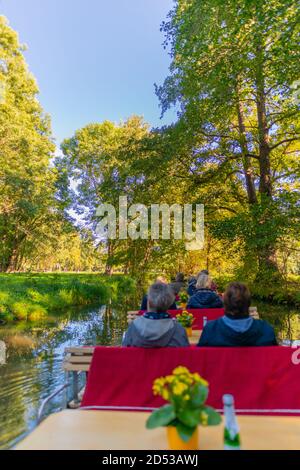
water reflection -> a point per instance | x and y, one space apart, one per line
34 358
35 352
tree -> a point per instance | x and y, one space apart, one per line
233 67
26 178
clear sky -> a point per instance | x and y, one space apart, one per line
93 59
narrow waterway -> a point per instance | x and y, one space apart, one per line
34 362
33 366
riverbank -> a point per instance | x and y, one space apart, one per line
34 296
287 294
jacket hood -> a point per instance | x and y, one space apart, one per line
239 325
244 331
149 331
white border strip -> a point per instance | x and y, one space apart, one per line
145 408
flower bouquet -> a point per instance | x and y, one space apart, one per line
186 319
183 298
186 393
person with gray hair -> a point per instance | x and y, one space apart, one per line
144 303
156 328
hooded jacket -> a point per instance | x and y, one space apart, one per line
205 298
155 333
231 331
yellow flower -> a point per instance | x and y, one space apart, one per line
179 388
158 386
186 379
165 394
199 379
180 370
160 382
204 418
169 379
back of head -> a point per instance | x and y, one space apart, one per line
161 280
160 297
237 299
204 271
203 281
176 287
179 277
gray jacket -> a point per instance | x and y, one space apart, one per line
148 333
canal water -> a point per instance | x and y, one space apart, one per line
34 362
33 367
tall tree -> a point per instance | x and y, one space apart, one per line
234 64
26 179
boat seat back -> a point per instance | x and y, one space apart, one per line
262 379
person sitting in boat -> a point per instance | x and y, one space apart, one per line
179 283
204 296
192 289
237 327
161 280
156 328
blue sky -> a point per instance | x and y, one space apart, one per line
93 59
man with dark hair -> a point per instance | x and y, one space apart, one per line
156 329
237 327
179 283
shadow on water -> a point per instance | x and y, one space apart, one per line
35 352
34 362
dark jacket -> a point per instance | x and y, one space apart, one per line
205 298
192 287
191 290
145 307
155 333
230 331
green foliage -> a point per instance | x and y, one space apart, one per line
185 319
237 141
27 190
20 310
161 417
33 297
235 149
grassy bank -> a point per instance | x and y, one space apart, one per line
286 294
34 296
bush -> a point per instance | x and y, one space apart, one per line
37 313
20 310
33 296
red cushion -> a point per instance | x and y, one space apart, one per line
199 314
260 378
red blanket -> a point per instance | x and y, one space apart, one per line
199 314
262 379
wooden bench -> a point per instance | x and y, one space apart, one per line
78 359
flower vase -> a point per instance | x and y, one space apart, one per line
189 331
177 443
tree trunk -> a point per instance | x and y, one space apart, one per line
248 170
110 251
265 184
267 259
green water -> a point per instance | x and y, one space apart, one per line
34 362
35 352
